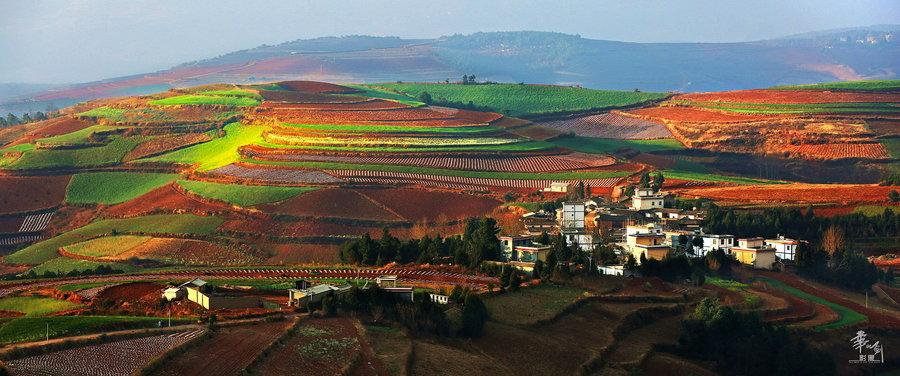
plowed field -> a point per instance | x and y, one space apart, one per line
317 87
796 193
418 205
691 114
27 193
375 104
611 125
164 199
301 97
839 150
321 347
163 144
58 126
511 164
274 174
334 202
788 96
298 253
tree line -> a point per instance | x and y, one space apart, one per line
11 119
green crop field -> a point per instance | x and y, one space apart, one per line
35 306
232 93
113 187
892 145
17 148
218 152
446 172
329 128
847 316
179 224
605 145
527 306
518 146
78 137
107 245
62 265
113 114
375 92
242 195
105 155
36 328
864 85
699 176
525 100
193 99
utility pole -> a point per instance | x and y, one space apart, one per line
170 317
867 299
48 331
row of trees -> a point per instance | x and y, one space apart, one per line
478 243
427 98
798 224
11 119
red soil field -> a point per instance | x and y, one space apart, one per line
431 206
317 87
534 132
333 202
165 199
456 182
475 116
839 150
129 292
298 229
796 193
292 358
299 253
241 172
831 211
693 114
11 224
229 352
29 193
788 96
374 104
58 126
301 97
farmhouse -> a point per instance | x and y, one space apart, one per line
198 291
439 298
647 199
615 270
314 294
785 248
539 222
386 281
714 242
509 243
754 253
561 187
613 221
572 226
531 253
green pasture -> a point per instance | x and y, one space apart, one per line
107 245
699 176
113 114
217 100
217 152
113 187
847 316
242 195
78 137
35 306
105 155
233 93
863 85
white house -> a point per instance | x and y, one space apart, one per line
556 186
713 242
615 270
785 249
439 298
646 199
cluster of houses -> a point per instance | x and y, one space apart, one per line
648 228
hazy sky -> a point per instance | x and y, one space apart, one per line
78 40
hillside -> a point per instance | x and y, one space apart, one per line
521 57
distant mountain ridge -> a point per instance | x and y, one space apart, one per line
524 56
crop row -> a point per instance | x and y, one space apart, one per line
839 151
36 222
490 182
274 175
277 138
369 105
508 164
610 125
114 358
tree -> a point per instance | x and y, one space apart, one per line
698 277
425 97
630 264
473 316
658 181
894 196
465 79
645 180
12 119
833 240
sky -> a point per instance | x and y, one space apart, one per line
50 41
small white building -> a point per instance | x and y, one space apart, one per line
561 187
646 199
439 299
386 281
785 249
173 293
615 270
314 294
714 242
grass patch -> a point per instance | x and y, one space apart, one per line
532 304
525 100
178 224
233 93
109 154
17 148
113 187
242 195
847 316
27 329
215 153
107 245
606 145
390 128
892 145
78 137
63 265
699 176
862 85
726 284
35 306
445 172
194 99
114 114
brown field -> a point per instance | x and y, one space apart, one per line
694 115
186 252
334 202
302 97
228 352
839 151
611 125
796 193
327 346
374 104
317 87
788 96
889 128
163 144
298 229
58 126
165 199
300 253
536 132
29 193
547 163
418 205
